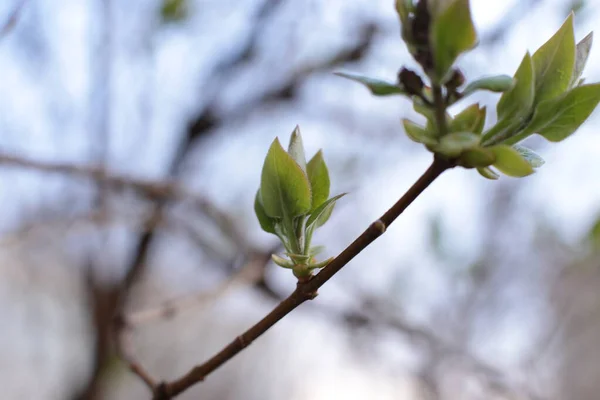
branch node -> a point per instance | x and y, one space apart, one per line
379 225
306 294
242 341
161 392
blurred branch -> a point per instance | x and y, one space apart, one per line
124 346
305 289
11 22
210 118
511 18
250 273
154 190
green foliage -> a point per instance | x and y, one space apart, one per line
557 118
292 202
582 53
498 84
419 133
285 188
452 33
174 10
518 101
529 155
318 176
376 86
455 143
554 63
545 96
510 162
471 119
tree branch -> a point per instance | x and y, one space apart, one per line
305 290
12 19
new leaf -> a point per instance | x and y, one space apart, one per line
284 188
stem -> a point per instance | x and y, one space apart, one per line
439 106
304 290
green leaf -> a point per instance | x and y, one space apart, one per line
529 155
266 223
556 119
581 55
319 216
451 34
518 101
510 162
471 119
296 148
420 107
499 83
318 175
174 10
315 250
455 143
282 262
488 173
284 189
376 86
515 106
554 62
404 8
477 157
419 133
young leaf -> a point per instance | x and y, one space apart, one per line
319 216
471 119
284 188
518 101
418 133
558 118
376 86
318 175
499 83
404 8
529 155
488 173
554 62
282 262
266 223
582 52
510 162
455 143
451 34
477 157
296 148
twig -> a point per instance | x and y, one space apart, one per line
121 329
12 19
249 273
304 290
124 349
439 105
155 190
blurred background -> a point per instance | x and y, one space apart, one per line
132 136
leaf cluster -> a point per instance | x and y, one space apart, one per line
545 96
293 201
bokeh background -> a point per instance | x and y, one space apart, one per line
132 135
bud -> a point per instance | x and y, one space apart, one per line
410 81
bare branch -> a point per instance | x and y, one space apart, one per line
248 274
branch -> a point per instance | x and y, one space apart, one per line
305 290
251 272
12 19
154 190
